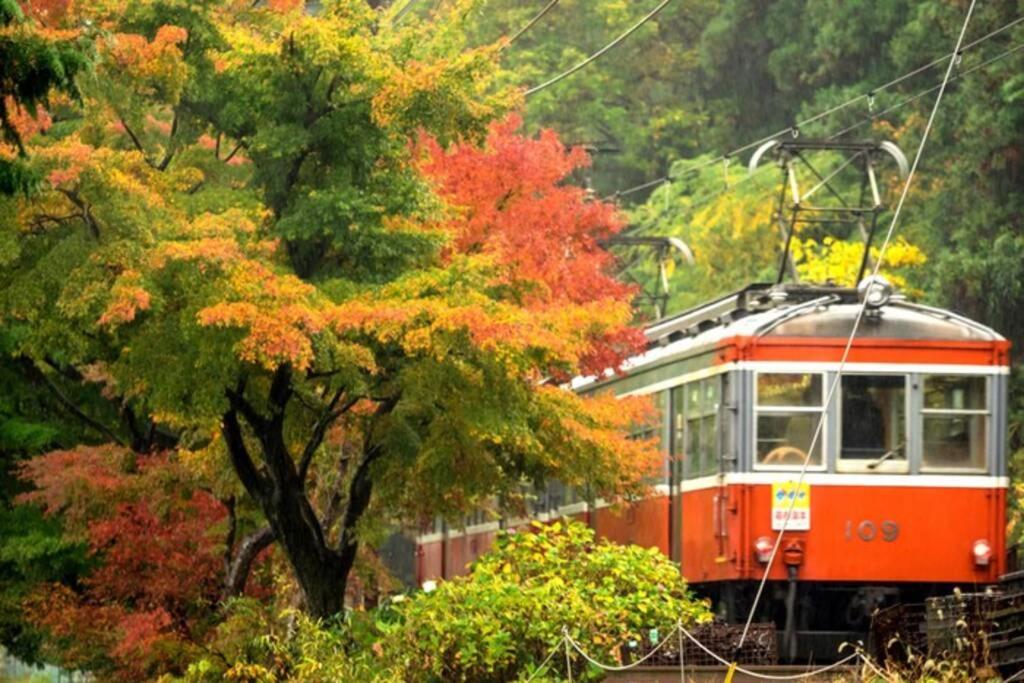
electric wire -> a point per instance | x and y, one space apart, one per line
565 74
529 25
668 177
902 103
1015 677
868 663
705 199
856 323
543 665
681 631
402 12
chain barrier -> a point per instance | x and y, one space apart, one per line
569 644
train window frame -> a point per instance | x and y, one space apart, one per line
712 453
860 465
781 410
985 413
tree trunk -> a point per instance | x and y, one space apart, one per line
279 493
278 487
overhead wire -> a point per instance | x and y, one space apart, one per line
402 12
913 98
537 17
679 629
710 197
668 177
569 72
856 323
543 665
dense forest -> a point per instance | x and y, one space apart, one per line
239 239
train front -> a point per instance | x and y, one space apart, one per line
904 493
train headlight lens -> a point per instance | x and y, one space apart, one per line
875 291
763 549
982 552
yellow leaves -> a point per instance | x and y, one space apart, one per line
229 222
447 96
838 261
69 160
215 250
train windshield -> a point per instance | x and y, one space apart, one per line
954 422
789 407
873 428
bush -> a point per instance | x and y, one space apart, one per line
504 618
498 623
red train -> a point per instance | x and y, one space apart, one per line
905 494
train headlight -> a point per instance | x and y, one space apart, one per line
763 549
875 291
982 552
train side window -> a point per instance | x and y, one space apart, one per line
695 426
873 425
653 430
789 406
954 420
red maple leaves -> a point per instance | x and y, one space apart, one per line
159 566
512 201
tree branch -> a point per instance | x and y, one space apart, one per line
229 541
135 139
254 482
248 550
68 404
327 417
238 404
232 153
169 152
280 391
86 213
360 490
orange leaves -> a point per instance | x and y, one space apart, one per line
127 299
150 68
130 50
282 335
590 434
67 481
204 251
285 6
70 158
24 123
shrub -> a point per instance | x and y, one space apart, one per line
498 623
504 618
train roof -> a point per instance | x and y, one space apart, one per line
797 310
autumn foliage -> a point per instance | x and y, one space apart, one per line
309 273
157 545
512 198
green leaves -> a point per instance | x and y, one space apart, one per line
507 614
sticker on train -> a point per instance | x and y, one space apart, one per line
783 494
